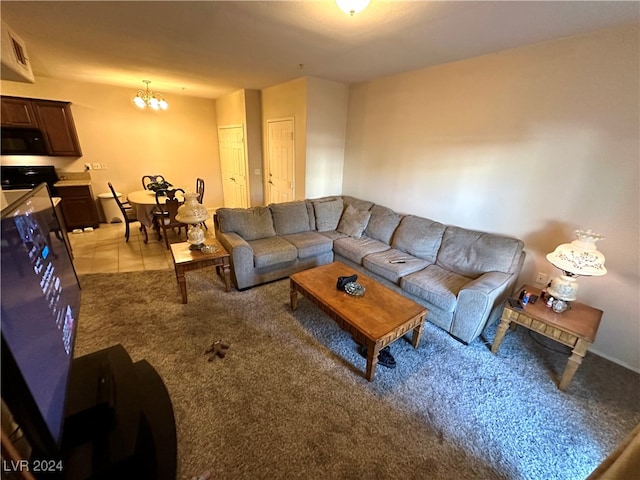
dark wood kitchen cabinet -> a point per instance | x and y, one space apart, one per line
78 206
18 112
56 122
53 118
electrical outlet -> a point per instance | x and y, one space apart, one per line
542 278
96 166
103 166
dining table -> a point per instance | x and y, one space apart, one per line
144 204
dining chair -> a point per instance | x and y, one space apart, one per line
128 214
147 179
200 192
167 211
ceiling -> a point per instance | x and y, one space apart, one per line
211 48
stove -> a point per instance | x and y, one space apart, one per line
27 177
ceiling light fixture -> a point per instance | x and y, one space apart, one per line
148 98
351 7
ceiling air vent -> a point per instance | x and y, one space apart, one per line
14 60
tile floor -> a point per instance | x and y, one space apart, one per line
104 250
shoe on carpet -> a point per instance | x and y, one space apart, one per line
384 356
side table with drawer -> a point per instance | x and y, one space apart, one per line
575 328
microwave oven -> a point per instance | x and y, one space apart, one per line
22 141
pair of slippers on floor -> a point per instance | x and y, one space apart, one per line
384 356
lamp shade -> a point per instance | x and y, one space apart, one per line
192 211
580 257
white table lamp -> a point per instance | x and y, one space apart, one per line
578 258
193 213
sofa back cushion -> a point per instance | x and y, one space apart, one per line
327 214
420 237
290 217
356 203
353 221
472 253
250 223
382 224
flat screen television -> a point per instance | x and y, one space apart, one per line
40 307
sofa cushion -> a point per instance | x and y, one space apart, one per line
471 253
271 251
250 223
419 236
333 234
393 264
328 214
357 203
382 224
353 221
355 249
435 285
290 217
309 244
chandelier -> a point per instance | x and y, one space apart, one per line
148 98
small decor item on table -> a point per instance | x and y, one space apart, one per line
209 249
193 213
354 289
342 281
160 186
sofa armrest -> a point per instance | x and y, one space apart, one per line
475 303
241 255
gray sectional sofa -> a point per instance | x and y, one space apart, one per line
462 276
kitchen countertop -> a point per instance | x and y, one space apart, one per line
72 183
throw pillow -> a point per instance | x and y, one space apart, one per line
353 221
328 214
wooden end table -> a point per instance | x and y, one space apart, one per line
575 328
374 320
186 260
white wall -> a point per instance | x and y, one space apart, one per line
326 129
180 143
533 142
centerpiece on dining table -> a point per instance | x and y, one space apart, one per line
159 187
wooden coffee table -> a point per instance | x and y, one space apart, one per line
186 260
575 328
374 320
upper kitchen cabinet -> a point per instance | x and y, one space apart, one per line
18 112
53 118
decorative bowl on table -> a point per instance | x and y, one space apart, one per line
160 187
354 289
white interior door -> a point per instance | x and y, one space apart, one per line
234 167
280 160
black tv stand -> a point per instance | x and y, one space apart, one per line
119 421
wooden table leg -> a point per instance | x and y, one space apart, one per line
372 360
227 276
502 329
417 333
182 283
294 296
577 354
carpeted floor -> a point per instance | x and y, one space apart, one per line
290 399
